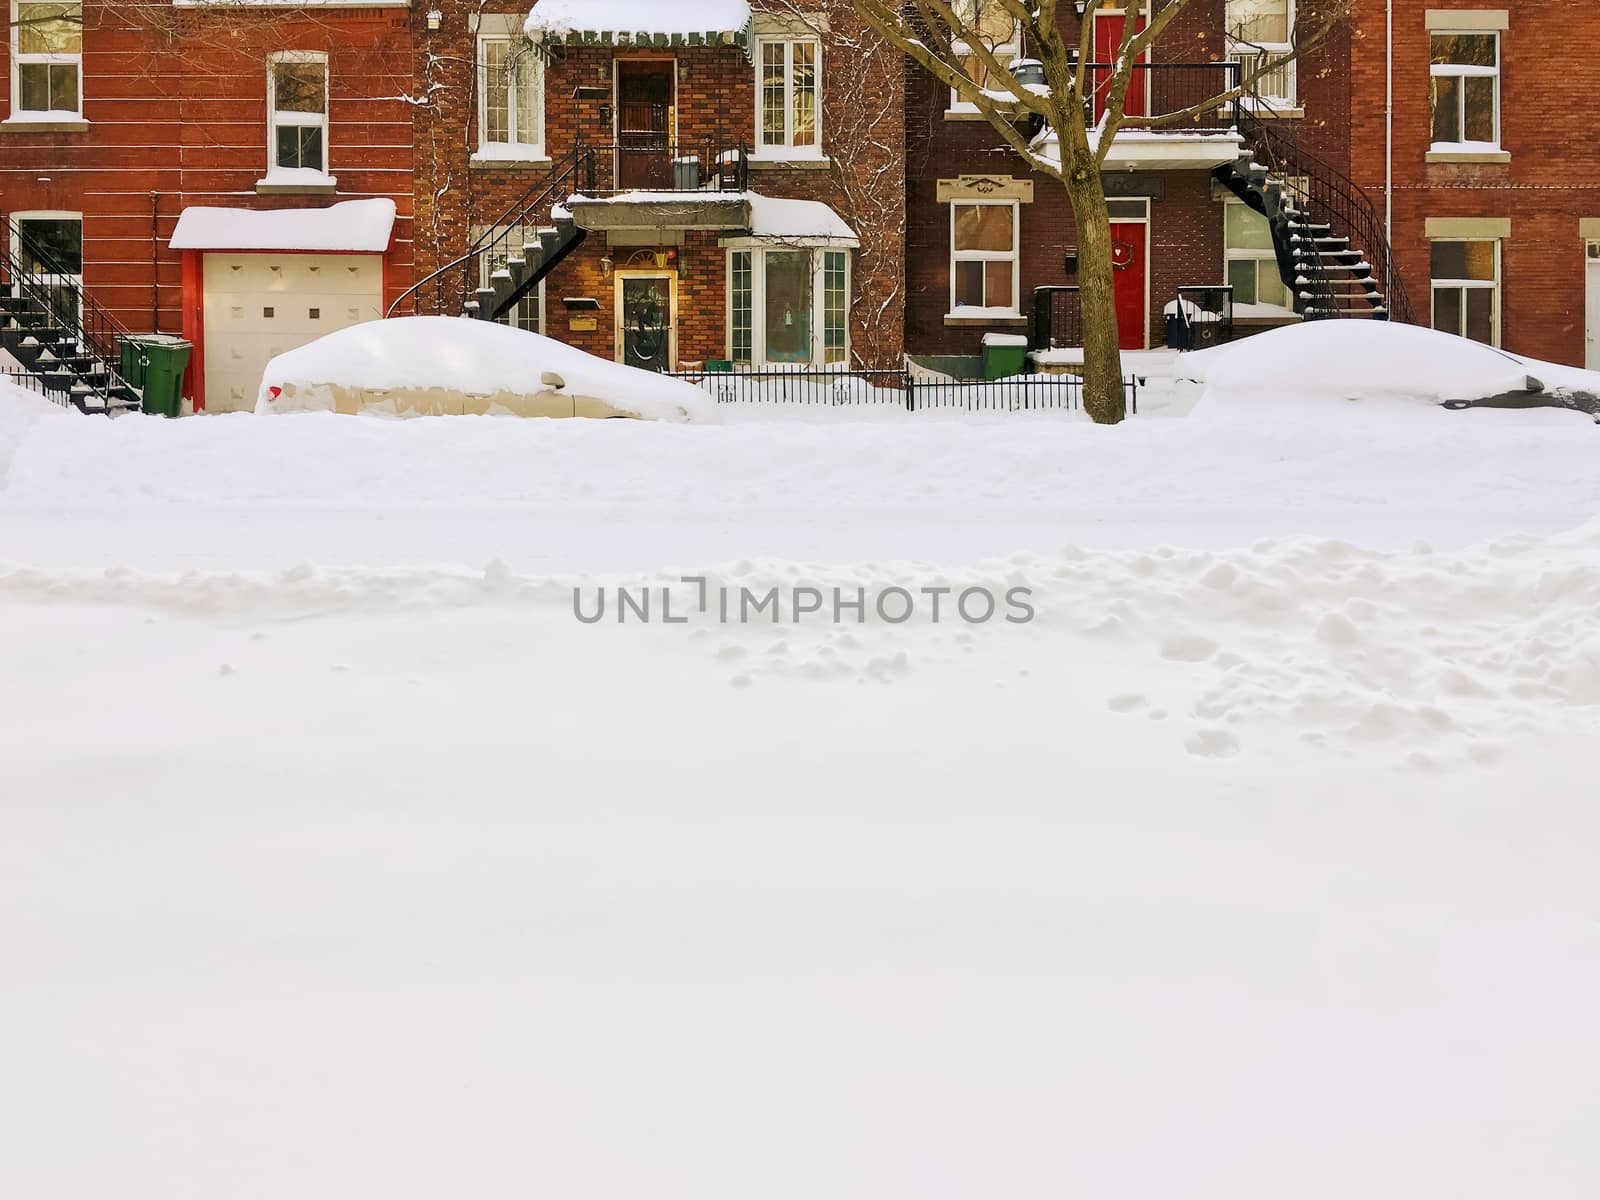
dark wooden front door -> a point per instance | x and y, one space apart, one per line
645 100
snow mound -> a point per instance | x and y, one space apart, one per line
455 364
1369 361
19 409
637 16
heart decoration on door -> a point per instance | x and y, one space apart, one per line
1122 254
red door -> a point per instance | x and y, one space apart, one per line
1108 28
1129 272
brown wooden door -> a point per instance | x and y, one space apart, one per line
645 100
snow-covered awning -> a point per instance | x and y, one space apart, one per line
798 222
642 22
355 226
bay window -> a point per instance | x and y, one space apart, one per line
788 305
983 255
787 98
46 59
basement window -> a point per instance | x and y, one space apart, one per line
1466 289
297 116
47 60
788 305
1465 91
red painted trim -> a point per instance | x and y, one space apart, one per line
194 328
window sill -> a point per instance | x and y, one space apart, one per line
1272 112
963 114
499 156
15 124
804 162
965 321
324 185
1468 156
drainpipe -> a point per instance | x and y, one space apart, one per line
155 266
1388 127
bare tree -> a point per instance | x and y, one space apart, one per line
955 42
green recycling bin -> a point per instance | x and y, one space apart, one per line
1004 354
154 363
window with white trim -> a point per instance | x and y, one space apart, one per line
788 305
297 112
998 32
510 95
527 313
1250 260
1258 32
788 114
1466 288
49 245
46 59
1465 90
984 252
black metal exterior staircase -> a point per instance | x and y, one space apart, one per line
1332 251
58 335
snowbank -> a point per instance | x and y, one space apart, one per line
1370 361
434 365
19 408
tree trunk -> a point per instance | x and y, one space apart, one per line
1103 396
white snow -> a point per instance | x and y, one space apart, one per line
808 222
637 16
1005 339
338 858
351 225
464 357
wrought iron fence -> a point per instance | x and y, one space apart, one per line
898 389
1182 91
1057 317
30 382
715 164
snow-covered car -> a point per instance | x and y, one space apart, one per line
432 366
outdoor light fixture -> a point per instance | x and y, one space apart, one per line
605 266
435 19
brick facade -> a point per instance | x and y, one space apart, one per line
1550 184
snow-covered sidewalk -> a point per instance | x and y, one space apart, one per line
338 857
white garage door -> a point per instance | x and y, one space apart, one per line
259 305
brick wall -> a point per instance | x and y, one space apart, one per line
1551 182
863 118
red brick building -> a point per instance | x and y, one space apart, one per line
117 118
1489 169
985 231
740 173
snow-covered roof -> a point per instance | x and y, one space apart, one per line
351 225
664 21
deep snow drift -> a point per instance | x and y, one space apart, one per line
338 857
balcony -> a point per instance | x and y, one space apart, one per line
649 184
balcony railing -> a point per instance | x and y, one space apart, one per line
645 164
1276 88
1167 89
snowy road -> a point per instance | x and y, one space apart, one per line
338 858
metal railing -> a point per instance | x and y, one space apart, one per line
839 388
26 380
1325 196
645 164
1168 89
55 302
1057 318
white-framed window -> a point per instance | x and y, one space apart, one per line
1250 261
46 59
1465 89
510 96
788 96
1466 288
297 112
984 253
999 33
788 304
1259 31
49 245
